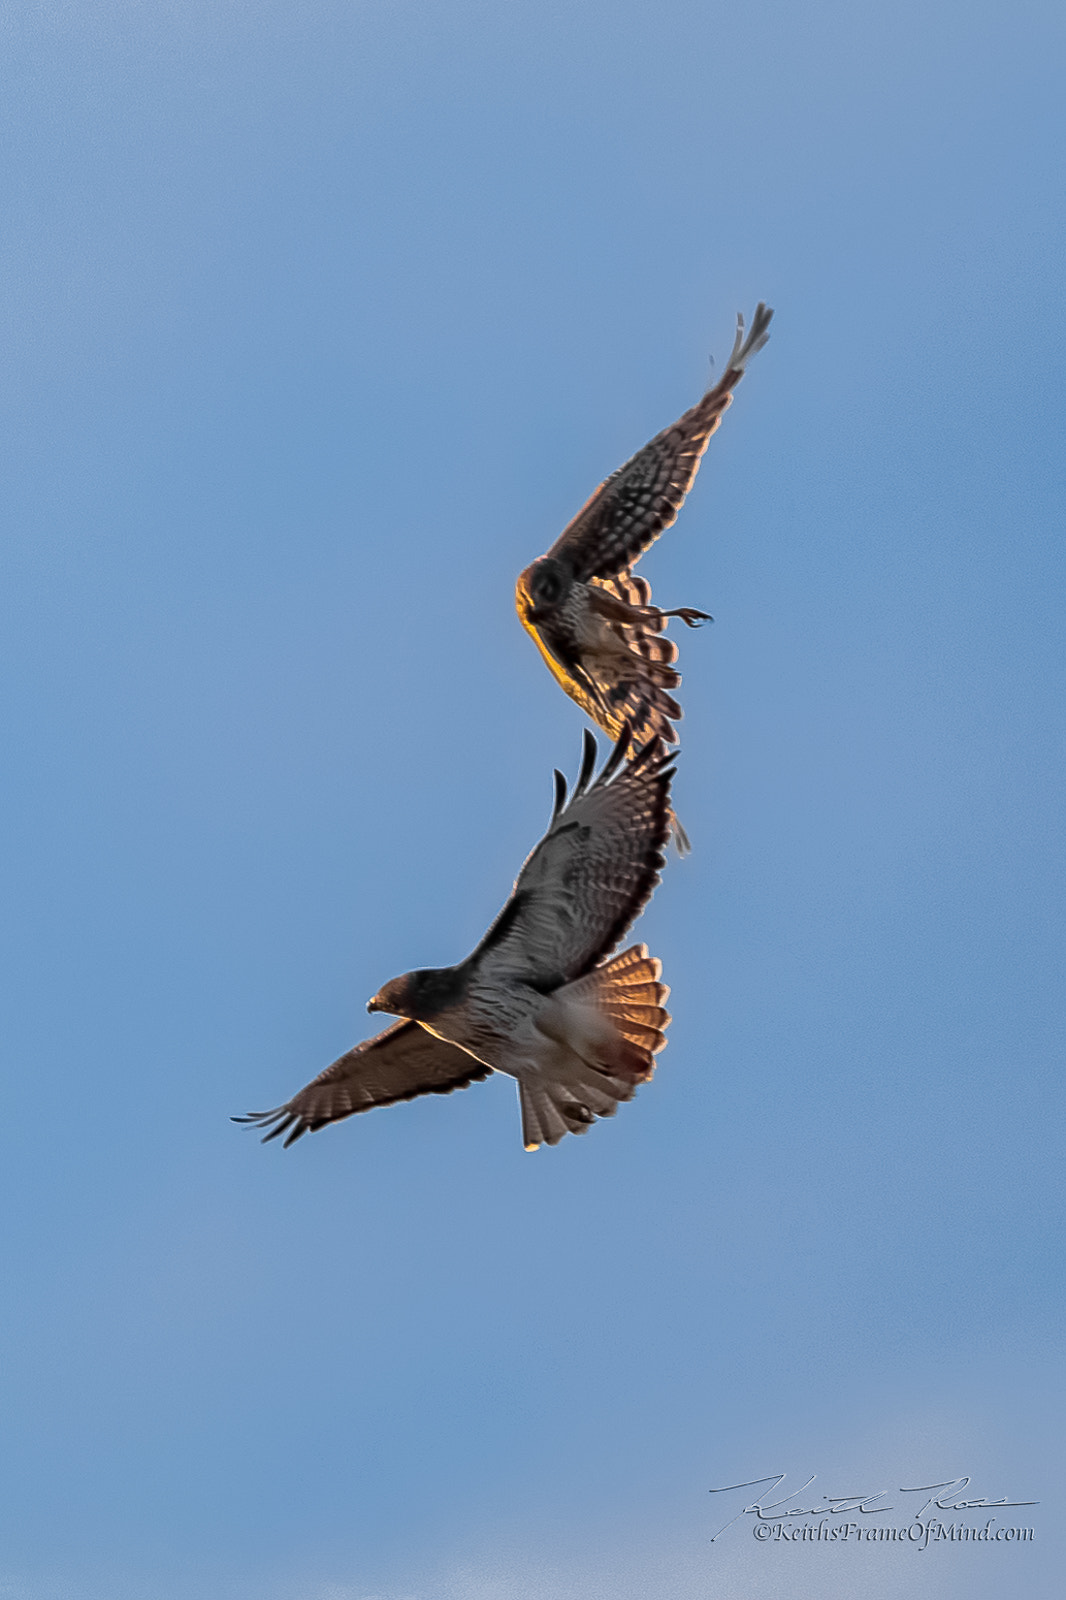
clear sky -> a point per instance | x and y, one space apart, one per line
319 320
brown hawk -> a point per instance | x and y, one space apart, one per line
541 998
591 619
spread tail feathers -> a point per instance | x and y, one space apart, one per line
601 1035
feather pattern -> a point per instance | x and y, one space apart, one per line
632 507
591 875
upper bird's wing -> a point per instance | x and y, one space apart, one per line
591 875
632 507
399 1064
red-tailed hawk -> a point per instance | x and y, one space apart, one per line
591 619
541 998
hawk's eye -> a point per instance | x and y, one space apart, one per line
547 587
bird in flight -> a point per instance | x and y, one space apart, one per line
591 619
541 998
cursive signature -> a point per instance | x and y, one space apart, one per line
940 1498
945 1503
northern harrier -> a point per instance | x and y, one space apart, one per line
591 619
541 998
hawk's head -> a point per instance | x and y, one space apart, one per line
541 588
419 995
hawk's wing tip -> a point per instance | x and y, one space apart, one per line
281 1116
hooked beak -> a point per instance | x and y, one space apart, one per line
375 1004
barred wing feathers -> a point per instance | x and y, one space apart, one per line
640 695
403 1062
591 875
632 507
635 691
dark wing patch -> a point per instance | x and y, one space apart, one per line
632 507
403 1062
590 876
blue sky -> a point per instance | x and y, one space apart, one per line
319 322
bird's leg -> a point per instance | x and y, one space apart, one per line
614 609
688 614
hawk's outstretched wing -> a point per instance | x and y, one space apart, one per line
632 507
591 875
399 1064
